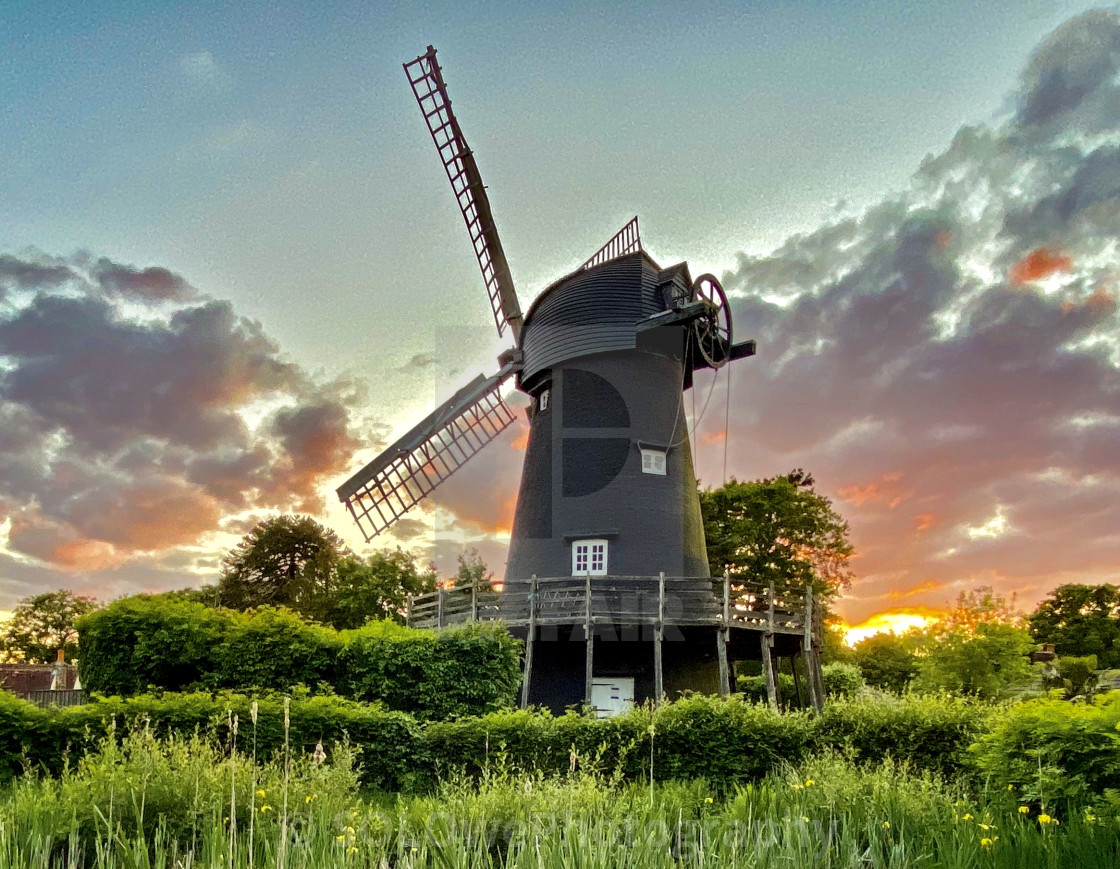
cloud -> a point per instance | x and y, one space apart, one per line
947 362
129 430
201 70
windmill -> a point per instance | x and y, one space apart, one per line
607 513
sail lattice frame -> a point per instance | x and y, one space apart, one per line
627 240
406 473
426 79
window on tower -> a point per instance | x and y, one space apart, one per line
542 400
589 558
653 461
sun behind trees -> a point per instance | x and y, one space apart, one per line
295 562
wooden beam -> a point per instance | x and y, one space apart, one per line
439 611
589 661
768 671
527 675
722 637
658 636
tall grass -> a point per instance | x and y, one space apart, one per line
146 803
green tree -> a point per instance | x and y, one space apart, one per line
42 624
983 663
377 587
1081 620
982 605
287 560
473 570
888 661
777 529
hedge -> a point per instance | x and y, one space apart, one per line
165 643
724 740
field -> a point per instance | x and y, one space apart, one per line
141 800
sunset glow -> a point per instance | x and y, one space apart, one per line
894 621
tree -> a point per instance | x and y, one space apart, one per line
888 661
472 571
377 587
43 624
980 606
983 663
1081 620
287 560
777 529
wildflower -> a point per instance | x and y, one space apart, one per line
319 755
341 838
266 808
1011 787
349 831
260 794
987 843
307 799
886 825
253 712
805 819
1024 810
967 816
709 800
352 850
809 782
986 827
1044 819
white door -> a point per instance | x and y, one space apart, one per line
611 696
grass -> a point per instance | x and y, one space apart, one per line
185 803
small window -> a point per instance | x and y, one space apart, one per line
653 461
589 558
542 400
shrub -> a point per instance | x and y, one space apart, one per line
167 643
841 680
929 732
1053 751
754 688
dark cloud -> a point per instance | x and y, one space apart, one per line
122 436
1076 63
149 284
419 361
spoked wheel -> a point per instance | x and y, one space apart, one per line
713 329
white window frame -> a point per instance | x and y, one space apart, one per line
542 400
590 557
654 461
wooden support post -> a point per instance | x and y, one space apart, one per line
589 662
797 681
439 609
722 638
658 636
768 672
474 599
812 658
527 675
408 611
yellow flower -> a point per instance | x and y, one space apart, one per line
809 782
349 831
1011 787
709 800
967 816
886 825
266 808
805 818
260 794
341 838
985 827
352 850
986 842
307 799
1024 810
1044 819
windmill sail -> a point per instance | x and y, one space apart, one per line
407 472
626 240
458 160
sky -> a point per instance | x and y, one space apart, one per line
231 268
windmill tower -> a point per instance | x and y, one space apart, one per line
607 556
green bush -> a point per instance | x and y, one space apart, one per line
842 680
929 732
1052 751
166 643
754 688
469 670
391 744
